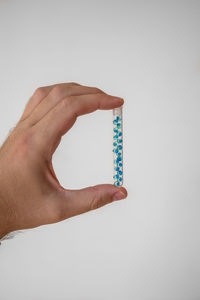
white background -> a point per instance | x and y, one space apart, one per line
147 246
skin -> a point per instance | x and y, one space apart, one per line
30 193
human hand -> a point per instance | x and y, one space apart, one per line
30 193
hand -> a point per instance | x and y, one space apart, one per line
30 193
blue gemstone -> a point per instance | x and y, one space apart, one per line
119 125
119 153
117 183
120 141
120 147
116 176
114 144
115 122
116 161
117 118
117 169
119 158
120 164
116 151
120 133
120 172
116 130
116 137
120 178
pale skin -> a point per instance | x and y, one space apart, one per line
30 192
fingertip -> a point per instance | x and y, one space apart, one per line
122 101
120 193
124 190
119 101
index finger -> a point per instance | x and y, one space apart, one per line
62 117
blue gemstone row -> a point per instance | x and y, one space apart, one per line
117 149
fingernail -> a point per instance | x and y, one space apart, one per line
120 100
119 195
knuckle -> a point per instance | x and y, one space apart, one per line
55 209
57 91
67 102
96 199
23 143
72 83
95 203
98 91
40 92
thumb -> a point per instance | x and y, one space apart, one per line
75 202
